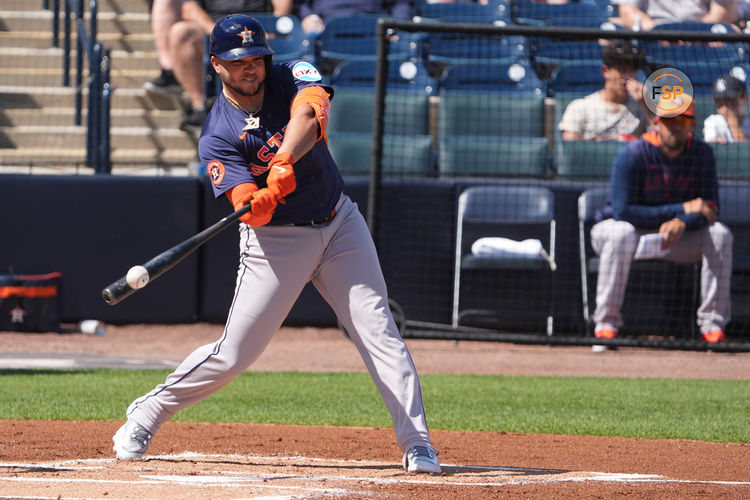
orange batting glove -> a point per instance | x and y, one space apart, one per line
280 178
263 203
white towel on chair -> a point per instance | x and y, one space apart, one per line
497 246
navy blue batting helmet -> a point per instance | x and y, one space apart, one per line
238 36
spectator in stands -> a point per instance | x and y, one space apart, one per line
180 38
645 14
664 184
729 124
743 14
616 112
315 12
164 13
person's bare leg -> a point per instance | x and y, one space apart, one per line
164 14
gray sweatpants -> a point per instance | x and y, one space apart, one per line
275 264
616 241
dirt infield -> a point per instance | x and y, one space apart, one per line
41 459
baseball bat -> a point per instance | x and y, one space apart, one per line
119 290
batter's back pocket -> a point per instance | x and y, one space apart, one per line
30 302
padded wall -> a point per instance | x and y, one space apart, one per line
93 229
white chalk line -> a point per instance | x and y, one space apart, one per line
233 479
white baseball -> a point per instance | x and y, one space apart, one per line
137 277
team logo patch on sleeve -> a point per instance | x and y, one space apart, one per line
306 72
215 170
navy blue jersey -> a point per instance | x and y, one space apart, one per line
234 153
648 188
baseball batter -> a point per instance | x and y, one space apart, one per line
264 143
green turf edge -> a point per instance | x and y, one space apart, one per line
705 410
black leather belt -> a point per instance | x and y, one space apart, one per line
318 222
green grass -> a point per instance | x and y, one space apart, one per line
706 410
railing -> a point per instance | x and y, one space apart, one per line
100 89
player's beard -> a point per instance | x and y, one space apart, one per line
674 142
246 92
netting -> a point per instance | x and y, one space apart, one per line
474 137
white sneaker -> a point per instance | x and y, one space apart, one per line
131 441
421 459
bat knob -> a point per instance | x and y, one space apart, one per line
107 296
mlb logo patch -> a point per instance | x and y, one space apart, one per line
306 72
215 170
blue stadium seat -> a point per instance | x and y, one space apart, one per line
517 77
538 13
493 156
733 162
403 155
495 115
557 51
402 75
675 54
703 73
352 108
286 36
491 122
460 48
580 78
582 22
353 36
717 28
464 11
586 160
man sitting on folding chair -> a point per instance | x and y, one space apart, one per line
664 184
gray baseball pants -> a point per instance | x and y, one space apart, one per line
275 264
616 242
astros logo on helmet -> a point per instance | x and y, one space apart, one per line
247 36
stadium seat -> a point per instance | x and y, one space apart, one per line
516 77
463 11
286 37
353 36
579 78
493 156
403 155
459 48
497 114
675 54
548 53
732 161
661 296
491 122
538 13
717 28
352 108
703 73
402 75
586 160
505 289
